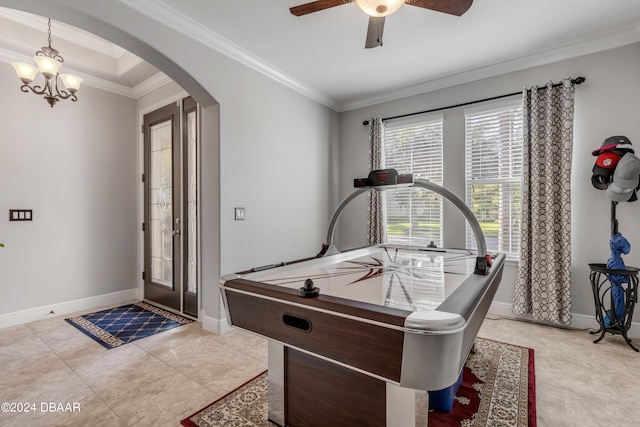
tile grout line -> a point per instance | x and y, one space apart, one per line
177 369
165 364
77 375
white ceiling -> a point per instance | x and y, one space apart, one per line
322 54
325 50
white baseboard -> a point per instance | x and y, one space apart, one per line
44 312
578 321
211 324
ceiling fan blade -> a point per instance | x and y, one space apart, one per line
452 7
374 32
316 6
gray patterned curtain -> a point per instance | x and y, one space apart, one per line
375 211
543 284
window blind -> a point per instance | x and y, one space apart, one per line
414 216
493 175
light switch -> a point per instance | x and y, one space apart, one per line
20 215
239 214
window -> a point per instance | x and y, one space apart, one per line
414 216
493 174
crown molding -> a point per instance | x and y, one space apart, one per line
107 86
65 32
187 26
587 47
193 29
151 84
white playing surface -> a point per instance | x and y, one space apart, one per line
398 277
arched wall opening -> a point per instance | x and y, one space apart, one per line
262 126
119 24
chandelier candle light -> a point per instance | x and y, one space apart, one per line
49 61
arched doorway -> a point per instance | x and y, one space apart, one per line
119 23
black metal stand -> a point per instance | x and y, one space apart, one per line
603 298
614 221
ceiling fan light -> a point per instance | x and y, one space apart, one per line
379 8
25 72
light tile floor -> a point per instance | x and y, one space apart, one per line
159 380
578 383
155 381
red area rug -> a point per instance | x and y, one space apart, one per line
498 388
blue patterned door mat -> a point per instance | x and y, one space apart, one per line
121 325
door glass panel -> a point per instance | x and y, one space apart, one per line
191 203
161 205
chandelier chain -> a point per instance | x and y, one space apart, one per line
49 32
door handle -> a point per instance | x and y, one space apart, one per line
175 233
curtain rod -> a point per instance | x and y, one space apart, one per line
576 81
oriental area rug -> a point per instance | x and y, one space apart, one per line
120 325
498 389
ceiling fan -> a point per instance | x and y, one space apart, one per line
378 9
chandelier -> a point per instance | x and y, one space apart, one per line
49 61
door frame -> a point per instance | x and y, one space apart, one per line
142 110
190 302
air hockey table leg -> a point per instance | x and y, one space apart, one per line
275 379
405 407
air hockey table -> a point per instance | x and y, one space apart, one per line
362 337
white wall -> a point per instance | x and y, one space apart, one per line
75 166
606 105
